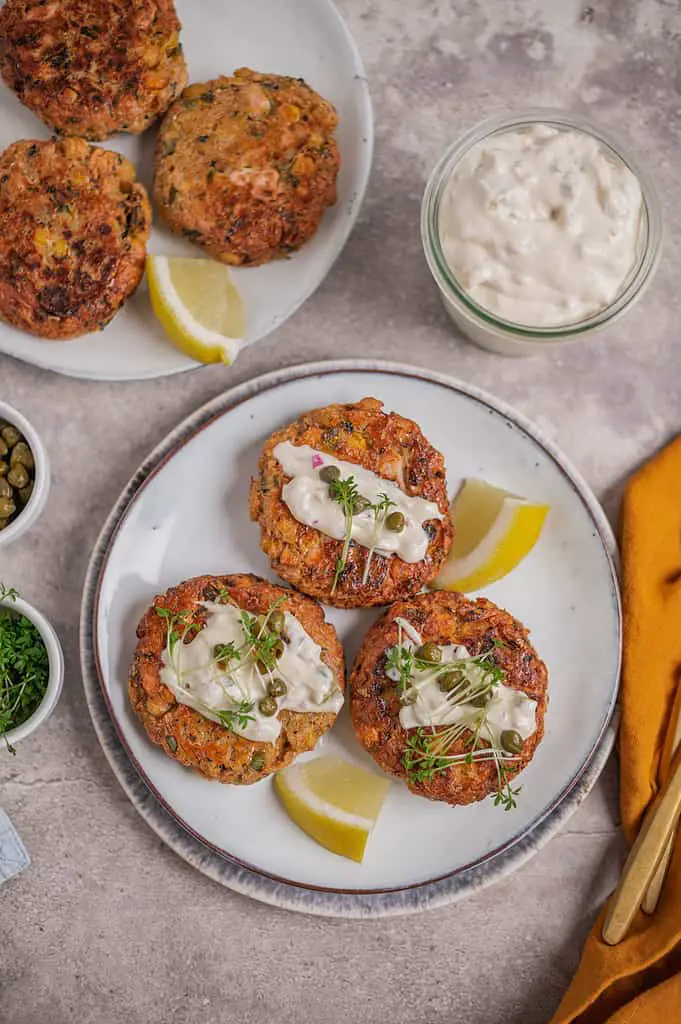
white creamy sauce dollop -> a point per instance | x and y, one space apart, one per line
507 708
540 225
307 497
195 679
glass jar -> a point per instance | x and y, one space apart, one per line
486 328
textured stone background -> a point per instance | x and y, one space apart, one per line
110 926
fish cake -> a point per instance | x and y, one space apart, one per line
387 445
92 68
246 166
207 746
375 705
74 224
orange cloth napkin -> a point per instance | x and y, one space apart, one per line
639 981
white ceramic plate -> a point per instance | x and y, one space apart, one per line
305 38
186 513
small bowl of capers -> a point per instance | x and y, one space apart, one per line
24 474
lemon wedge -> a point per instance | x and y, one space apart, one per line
198 307
334 801
493 531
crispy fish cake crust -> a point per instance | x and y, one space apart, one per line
91 68
246 166
197 742
387 444
443 618
74 224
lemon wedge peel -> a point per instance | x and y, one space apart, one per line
335 802
494 531
181 290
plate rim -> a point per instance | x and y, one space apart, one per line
365 148
230 871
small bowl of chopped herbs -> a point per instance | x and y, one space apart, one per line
31 668
24 474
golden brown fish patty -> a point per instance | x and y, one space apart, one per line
197 742
74 224
90 67
246 166
443 618
384 443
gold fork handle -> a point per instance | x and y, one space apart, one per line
643 860
654 890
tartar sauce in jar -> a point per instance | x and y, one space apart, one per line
540 225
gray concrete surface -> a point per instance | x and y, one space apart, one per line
108 926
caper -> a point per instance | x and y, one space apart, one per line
10 435
395 522
448 680
268 706
481 700
276 687
3 447
4 467
7 508
429 652
512 741
5 489
22 454
277 622
17 476
257 762
408 697
360 504
25 493
278 649
329 473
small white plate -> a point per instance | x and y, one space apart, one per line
303 38
186 513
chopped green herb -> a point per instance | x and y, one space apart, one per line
24 667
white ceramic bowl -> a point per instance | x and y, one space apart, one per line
482 326
55 682
41 487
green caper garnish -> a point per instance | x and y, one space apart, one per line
18 476
277 622
10 435
408 697
268 706
360 504
25 493
448 680
481 700
429 652
512 741
7 508
278 649
329 473
5 488
257 762
276 687
395 522
21 454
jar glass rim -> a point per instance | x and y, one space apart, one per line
651 226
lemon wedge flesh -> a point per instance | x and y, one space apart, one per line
334 801
493 531
198 307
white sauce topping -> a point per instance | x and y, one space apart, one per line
196 681
507 708
541 225
307 497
